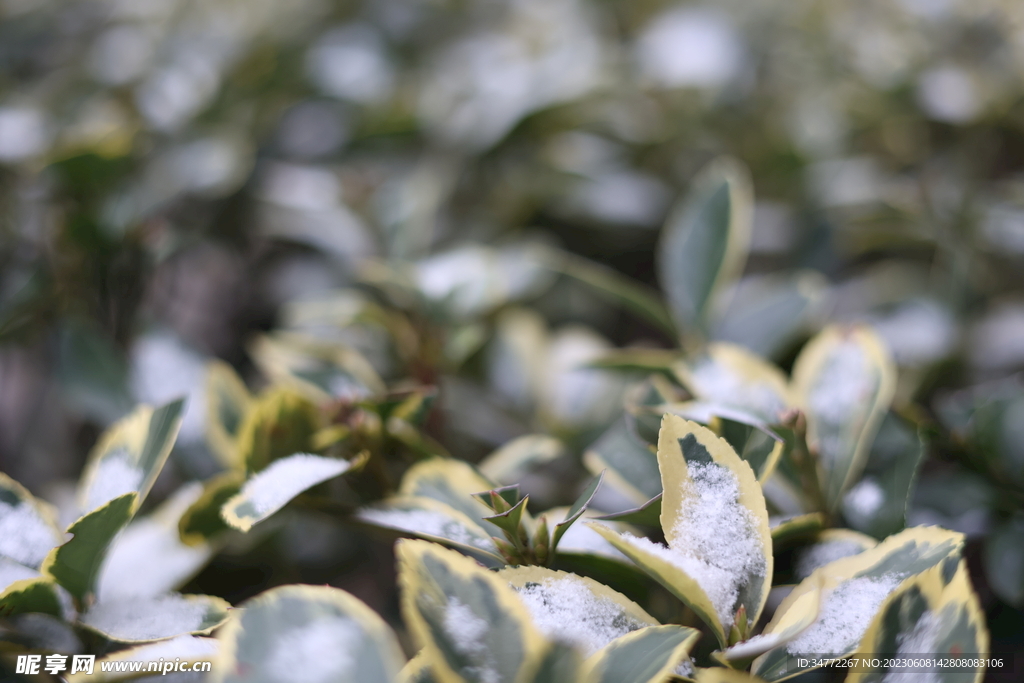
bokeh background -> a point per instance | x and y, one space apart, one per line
180 178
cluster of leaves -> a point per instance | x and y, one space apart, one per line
729 463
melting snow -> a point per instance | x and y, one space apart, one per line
845 614
133 619
319 652
25 537
428 522
716 539
114 476
820 554
566 609
467 631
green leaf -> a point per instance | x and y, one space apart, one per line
148 558
794 527
469 622
766 314
36 595
434 521
560 664
645 656
638 360
129 456
76 564
632 467
704 243
1004 560
510 520
926 616
322 371
616 288
452 482
280 422
227 404
861 581
202 521
648 514
700 471
510 463
28 528
294 634
890 473
501 498
136 620
729 376
844 380
576 510
93 373
270 490
758 447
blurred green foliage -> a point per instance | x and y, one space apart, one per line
462 201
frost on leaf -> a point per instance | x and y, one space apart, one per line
467 632
134 619
25 537
321 651
715 541
567 609
845 614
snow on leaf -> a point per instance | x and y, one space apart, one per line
271 489
148 558
25 536
846 611
567 609
321 651
134 619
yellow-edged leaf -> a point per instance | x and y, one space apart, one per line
469 622
927 618
648 655
575 609
298 633
853 588
844 380
129 456
28 526
730 376
227 404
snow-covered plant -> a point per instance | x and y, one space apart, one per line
101 574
